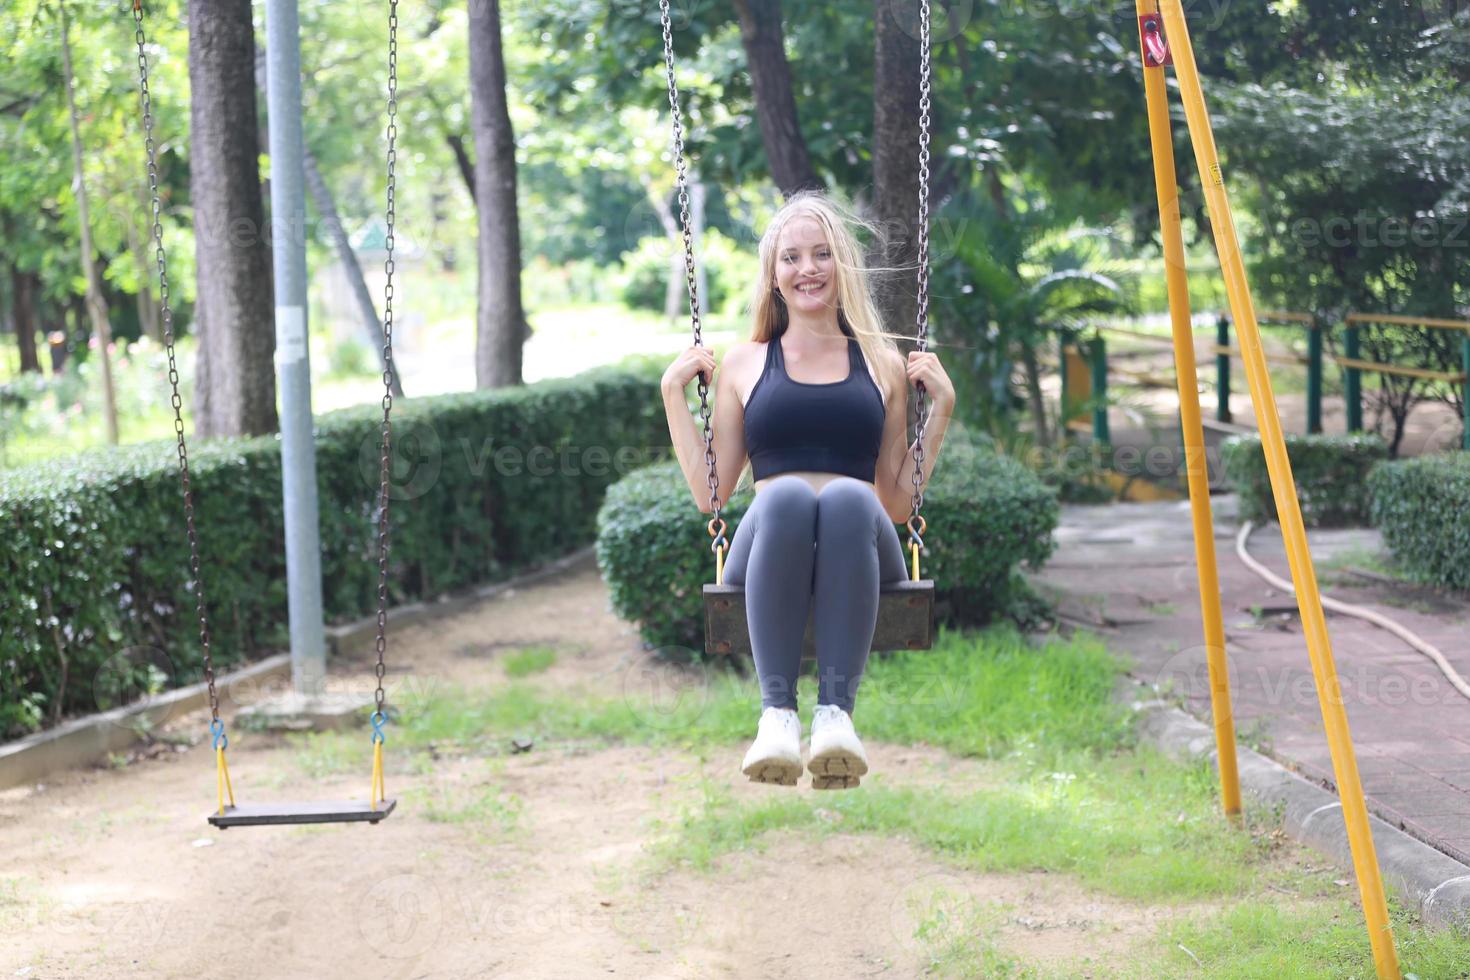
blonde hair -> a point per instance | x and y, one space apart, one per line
857 312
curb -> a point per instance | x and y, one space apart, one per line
89 740
1430 881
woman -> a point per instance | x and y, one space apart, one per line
817 399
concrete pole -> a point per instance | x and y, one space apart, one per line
293 367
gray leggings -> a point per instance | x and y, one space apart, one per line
795 547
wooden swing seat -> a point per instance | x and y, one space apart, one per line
332 811
905 619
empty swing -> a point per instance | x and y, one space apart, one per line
227 815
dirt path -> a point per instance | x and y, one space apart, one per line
115 873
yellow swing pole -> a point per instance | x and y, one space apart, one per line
221 741
222 780
1177 280
1309 600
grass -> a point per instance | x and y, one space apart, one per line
954 932
983 699
1134 826
1378 560
530 660
1067 791
1420 597
483 806
1323 940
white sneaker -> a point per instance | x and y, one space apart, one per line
837 757
775 756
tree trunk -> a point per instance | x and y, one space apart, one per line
326 209
896 166
96 306
1033 392
696 228
367 313
775 104
462 160
235 377
23 287
676 293
501 321
456 144
150 318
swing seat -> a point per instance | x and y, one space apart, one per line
905 619
332 811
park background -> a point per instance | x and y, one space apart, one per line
538 295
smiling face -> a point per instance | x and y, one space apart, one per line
805 270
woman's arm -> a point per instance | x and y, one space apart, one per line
896 464
727 422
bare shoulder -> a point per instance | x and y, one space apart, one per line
893 367
743 351
742 363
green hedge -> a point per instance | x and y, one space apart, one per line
1330 473
1420 506
94 561
986 514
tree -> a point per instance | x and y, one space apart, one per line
896 163
96 306
770 77
235 387
501 327
1015 278
23 292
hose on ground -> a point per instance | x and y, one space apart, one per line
1347 609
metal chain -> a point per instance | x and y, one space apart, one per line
216 727
915 534
388 369
682 178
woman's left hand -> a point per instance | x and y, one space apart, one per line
924 366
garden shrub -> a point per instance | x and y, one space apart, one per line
94 566
1330 473
645 273
1420 506
987 515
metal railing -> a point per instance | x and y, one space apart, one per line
1093 351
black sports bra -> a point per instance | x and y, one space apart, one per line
824 428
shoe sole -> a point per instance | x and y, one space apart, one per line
837 768
774 771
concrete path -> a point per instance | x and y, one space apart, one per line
1128 572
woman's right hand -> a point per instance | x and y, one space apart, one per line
693 360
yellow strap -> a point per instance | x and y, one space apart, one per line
379 793
914 548
222 779
719 565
